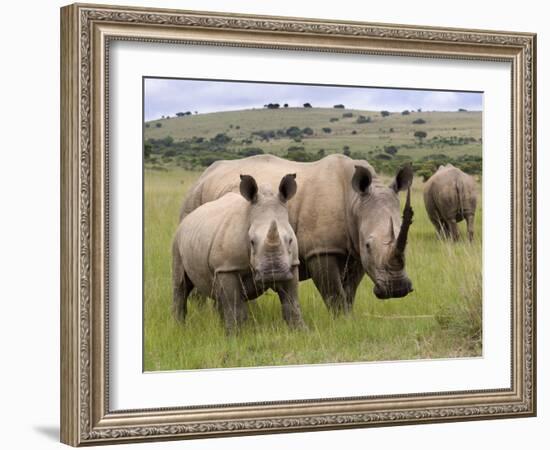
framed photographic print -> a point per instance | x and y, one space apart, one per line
278 224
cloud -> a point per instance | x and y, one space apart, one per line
169 96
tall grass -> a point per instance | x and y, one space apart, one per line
440 319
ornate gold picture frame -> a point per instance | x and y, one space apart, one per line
87 32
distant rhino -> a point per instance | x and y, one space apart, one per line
450 196
235 248
347 222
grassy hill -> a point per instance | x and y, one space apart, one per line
194 141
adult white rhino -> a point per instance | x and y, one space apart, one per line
450 196
346 221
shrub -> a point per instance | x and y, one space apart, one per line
251 151
146 125
293 132
221 138
180 114
334 119
390 149
237 127
339 106
419 121
405 113
383 156
391 130
169 153
168 141
354 132
307 105
363 119
462 110
158 124
384 113
347 115
327 130
286 105
346 151
307 131
321 153
147 147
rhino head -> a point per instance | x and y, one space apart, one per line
381 234
273 246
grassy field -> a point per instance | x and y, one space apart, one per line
440 319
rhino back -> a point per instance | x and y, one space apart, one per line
212 239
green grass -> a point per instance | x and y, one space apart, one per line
369 136
440 319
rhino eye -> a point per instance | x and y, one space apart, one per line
368 245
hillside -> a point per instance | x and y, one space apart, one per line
194 141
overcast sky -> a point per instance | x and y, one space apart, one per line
169 96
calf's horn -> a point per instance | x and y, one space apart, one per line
273 239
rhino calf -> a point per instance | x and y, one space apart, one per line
450 196
235 248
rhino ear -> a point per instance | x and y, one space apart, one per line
362 179
287 187
403 179
249 188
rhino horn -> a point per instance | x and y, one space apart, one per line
273 239
392 232
401 242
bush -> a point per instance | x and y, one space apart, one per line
383 156
405 113
363 119
334 119
354 132
391 130
146 125
158 125
294 132
168 141
169 153
286 105
147 147
339 106
251 151
346 151
180 114
321 153
347 115
221 138
307 105
384 113
307 131
298 153
462 110
390 149
327 130
419 121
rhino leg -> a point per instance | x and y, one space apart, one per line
453 227
288 295
470 226
182 286
351 278
230 297
325 270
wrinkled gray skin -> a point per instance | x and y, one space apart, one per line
345 219
235 248
450 196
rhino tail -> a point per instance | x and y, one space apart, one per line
460 194
182 285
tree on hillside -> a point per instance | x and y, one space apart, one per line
307 105
405 113
419 121
340 106
385 113
180 114
286 105
420 135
